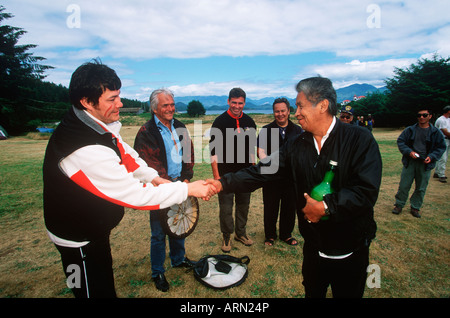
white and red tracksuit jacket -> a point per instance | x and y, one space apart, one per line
90 175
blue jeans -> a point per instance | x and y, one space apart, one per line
158 246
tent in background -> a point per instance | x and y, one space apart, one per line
3 133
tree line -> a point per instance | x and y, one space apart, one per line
425 83
27 101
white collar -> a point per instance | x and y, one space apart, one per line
325 137
113 127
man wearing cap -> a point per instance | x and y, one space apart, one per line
346 116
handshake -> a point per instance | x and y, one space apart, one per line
204 189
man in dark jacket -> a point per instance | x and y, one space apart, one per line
277 196
164 144
336 251
421 145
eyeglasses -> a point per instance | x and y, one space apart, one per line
422 115
346 117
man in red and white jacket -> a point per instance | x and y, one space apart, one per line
90 175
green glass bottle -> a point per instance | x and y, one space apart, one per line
323 188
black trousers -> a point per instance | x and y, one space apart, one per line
279 199
89 269
347 277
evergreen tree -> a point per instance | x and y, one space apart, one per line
426 83
19 71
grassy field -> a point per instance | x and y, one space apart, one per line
412 254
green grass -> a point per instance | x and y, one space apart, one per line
413 254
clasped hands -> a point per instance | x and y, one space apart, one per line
204 189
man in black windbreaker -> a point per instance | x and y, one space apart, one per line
336 250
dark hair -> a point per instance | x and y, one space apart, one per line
281 100
318 89
236 93
90 80
422 108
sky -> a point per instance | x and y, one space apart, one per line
207 47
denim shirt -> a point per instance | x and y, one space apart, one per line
173 154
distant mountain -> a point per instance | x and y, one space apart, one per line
220 102
181 107
207 101
215 102
356 89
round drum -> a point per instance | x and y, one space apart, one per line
180 220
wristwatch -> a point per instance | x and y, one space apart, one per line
327 210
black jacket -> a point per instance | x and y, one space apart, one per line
264 140
241 142
356 184
435 145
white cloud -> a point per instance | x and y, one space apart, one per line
140 30
356 71
199 28
370 72
252 90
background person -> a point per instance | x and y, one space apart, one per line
361 122
164 143
227 132
90 174
443 123
277 195
421 145
346 116
370 122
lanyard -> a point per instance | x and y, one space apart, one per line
237 119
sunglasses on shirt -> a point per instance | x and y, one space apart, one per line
422 115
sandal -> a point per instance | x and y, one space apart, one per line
269 242
291 241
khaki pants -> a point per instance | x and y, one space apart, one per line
440 165
227 224
414 172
